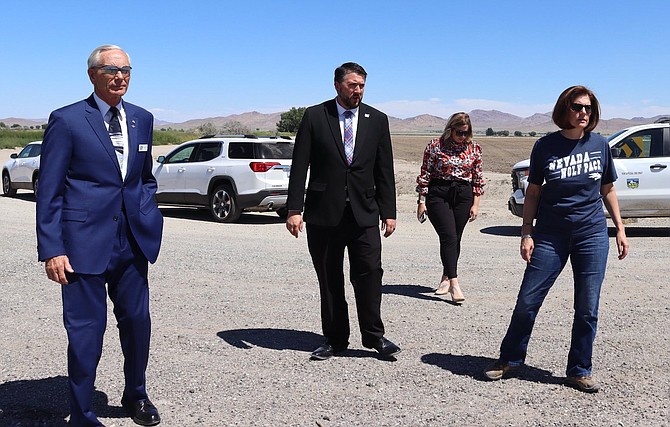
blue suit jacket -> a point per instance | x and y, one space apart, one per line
81 192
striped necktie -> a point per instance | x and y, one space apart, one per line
349 136
116 134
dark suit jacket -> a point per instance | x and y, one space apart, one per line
82 193
369 180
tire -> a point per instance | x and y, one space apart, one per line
7 189
283 213
36 180
223 204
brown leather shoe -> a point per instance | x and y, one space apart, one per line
586 384
498 369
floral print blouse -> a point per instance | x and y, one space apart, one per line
451 161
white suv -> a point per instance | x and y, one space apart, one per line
641 157
22 170
227 174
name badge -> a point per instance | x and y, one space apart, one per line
144 147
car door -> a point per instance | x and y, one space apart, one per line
170 174
199 171
26 162
642 160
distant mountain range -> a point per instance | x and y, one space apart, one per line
481 120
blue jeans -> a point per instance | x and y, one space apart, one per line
588 256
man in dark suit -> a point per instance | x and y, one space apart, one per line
347 147
97 224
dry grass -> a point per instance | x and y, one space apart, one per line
500 153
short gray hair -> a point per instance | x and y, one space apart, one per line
94 57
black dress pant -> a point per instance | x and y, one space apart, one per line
326 246
448 204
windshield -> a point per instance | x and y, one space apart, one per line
260 150
280 150
614 135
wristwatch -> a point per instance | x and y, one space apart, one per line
526 236
419 201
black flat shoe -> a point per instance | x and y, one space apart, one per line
142 411
385 347
326 351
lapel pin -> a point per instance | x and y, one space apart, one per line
367 114
132 123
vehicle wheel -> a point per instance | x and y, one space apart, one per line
282 212
223 205
36 179
7 189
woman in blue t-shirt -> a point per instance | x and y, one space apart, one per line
576 168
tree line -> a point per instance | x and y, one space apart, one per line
491 132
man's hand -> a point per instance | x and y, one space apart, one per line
388 226
56 268
294 223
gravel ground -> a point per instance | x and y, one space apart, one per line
235 311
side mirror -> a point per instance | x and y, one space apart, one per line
160 159
13 156
616 152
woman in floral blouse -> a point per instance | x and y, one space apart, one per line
449 186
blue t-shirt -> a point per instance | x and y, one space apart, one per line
572 172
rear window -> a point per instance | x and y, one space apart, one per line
260 150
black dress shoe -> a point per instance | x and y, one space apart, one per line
142 411
385 347
326 351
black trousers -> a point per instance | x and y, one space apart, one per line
448 204
326 246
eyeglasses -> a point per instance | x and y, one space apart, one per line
461 132
112 70
577 108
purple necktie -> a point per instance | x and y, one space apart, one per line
349 135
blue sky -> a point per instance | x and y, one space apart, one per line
199 59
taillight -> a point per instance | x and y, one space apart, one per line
262 166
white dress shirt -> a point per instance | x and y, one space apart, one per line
107 116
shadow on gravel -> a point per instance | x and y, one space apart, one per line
642 231
631 231
473 366
44 402
287 339
502 230
204 215
26 197
275 339
414 291
419 292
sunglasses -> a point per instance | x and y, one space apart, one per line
112 70
461 133
577 108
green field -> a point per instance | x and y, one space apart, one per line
19 138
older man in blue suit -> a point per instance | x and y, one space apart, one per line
98 224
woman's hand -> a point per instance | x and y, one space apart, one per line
526 249
622 243
474 210
420 210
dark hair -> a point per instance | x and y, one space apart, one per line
455 121
346 68
561 112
